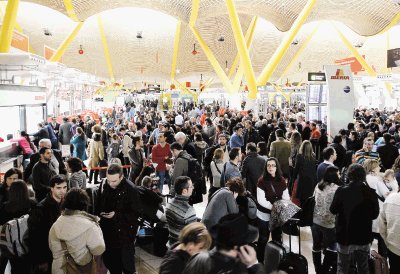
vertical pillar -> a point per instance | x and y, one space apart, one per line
9 22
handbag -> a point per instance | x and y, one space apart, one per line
72 267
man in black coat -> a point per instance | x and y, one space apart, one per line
252 168
42 172
40 221
355 206
387 152
56 160
42 133
119 207
250 133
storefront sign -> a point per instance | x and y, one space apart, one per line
353 62
341 99
19 95
316 76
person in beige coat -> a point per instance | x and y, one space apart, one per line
280 149
76 233
95 152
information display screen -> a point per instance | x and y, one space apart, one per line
324 94
314 94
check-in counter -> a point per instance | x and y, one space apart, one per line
9 157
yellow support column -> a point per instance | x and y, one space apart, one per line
70 10
299 51
242 48
249 40
176 50
65 44
105 48
194 13
213 61
283 47
9 21
391 24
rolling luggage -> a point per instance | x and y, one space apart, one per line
274 252
160 239
378 264
291 262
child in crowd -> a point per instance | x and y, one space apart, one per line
390 181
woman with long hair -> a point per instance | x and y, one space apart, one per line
295 143
18 204
262 150
375 181
271 187
10 177
305 174
193 239
79 143
323 228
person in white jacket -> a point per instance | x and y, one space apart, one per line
389 228
75 234
375 181
271 187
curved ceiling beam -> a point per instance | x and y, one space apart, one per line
70 10
7 28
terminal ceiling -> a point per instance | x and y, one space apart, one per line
150 58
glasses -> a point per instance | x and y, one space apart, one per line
271 165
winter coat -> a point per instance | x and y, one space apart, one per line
221 204
323 200
355 206
252 169
305 173
200 147
78 179
82 236
216 170
377 184
40 221
79 147
174 261
65 133
389 223
124 200
280 149
35 157
180 167
95 150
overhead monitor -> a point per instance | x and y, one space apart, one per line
393 58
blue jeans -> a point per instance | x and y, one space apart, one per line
163 175
323 238
353 258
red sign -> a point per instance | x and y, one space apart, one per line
188 84
353 62
340 75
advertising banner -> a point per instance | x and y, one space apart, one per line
393 58
353 62
341 98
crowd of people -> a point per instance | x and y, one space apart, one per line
138 165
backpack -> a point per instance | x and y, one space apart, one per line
195 174
13 237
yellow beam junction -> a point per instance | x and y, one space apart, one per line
354 51
195 12
299 51
70 10
242 48
213 61
9 21
176 50
395 20
283 47
105 48
65 44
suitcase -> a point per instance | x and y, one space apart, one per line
291 262
274 252
160 239
329 264
378 264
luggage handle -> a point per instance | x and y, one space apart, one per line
292 222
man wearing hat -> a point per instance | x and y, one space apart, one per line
231 254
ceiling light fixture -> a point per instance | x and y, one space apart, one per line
194 51
226 66
221 38
139 35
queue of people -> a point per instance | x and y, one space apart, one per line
138 156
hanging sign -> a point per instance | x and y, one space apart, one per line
341 99
20 41
353 62
48 52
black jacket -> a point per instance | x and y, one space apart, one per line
189 147
341 155
174 261
41 218
8 211
388 154
212 262
252 169
42 173
125 201
355 205
151 202
305 173
35 157
251 136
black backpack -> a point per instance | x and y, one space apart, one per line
195 174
